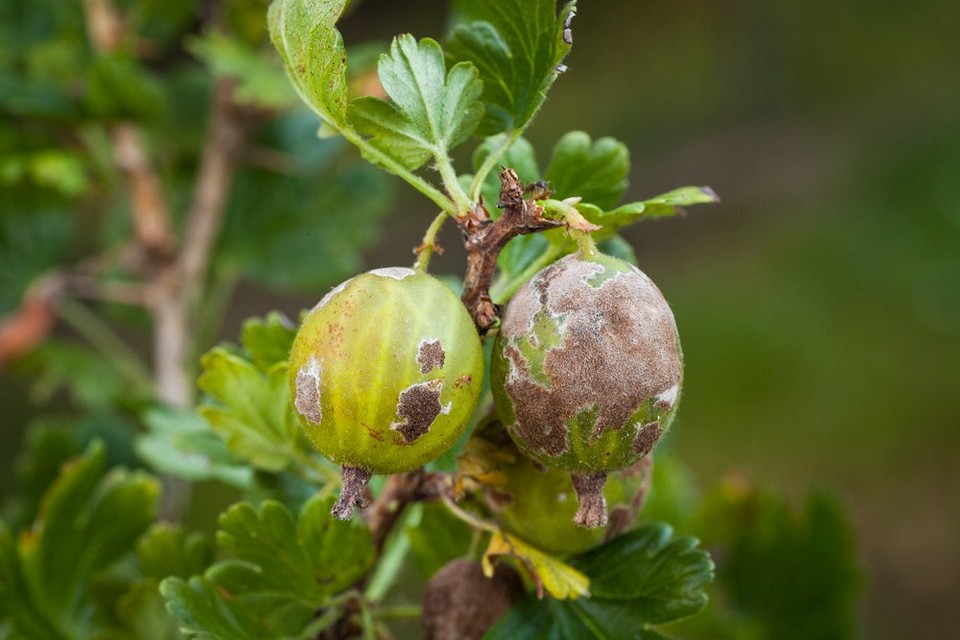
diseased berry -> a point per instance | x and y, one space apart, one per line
538 504
385 373
460 603
587 371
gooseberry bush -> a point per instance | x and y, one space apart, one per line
416 454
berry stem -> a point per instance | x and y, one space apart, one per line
353 480
429 244
592 512
578 226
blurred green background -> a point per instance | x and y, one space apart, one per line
819 303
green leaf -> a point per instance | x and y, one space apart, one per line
204 613
556 577
663 580
167 550
432 110
516 45
268 340
257 77
436 538
142 615
667 204
77 536
593 170
180 443
638 580
303 32
47 446
251 409
280 572
21 615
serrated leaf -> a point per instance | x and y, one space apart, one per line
304 33
548 619
516 45
431 110
268 340
667 204
593 170
637 580
557 578
76 536
20 614
663 580
281 570
181 444
204 613
252 409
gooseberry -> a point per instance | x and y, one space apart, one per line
385 372
587 371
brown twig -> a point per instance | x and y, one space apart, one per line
228 125
151 219
400 490
485 238
32 322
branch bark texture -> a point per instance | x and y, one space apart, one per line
485 238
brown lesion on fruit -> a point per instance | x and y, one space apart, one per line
647 436
431 355
307 400
617 351
417 407
463 381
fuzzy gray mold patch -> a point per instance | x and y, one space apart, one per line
417 408
431 355
666 399
617 348
647 436
307 399
397 273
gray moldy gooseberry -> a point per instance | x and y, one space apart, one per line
587 370
385 373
